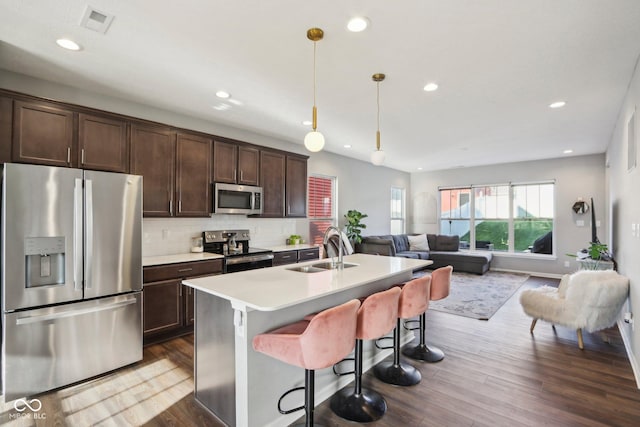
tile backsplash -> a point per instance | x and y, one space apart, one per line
169 236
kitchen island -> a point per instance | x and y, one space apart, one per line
241 386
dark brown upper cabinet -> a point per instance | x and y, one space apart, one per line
103 144
153 155
43 134
235 164
193 169
272 179
296 187
6 121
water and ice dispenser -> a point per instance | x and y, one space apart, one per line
44 258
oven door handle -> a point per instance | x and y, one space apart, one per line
248 258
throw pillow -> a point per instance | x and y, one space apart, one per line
418 243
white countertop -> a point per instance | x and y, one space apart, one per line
284 248
279 287
176 258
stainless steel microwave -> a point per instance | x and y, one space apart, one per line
237 199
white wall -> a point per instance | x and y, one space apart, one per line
361 185
581 176
624 206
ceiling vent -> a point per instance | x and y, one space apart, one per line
96 20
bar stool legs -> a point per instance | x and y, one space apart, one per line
422 351
358 404
396 372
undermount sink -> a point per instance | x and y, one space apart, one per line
320 266
331 266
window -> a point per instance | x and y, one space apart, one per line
322 207
397 210
533 217
506 217
455 208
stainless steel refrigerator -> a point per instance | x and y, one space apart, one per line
71 275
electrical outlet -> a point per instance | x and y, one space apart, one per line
580 223
567 264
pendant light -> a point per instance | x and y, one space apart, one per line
377 157
314 140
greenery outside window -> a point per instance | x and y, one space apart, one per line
515 218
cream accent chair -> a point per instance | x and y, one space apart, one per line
586 299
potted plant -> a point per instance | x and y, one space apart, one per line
295 239
595 253
354 225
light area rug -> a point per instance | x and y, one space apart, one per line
477 296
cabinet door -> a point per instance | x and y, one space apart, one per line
308 254
248 165
225 161
296 187
193 172
162 306
153 157
272 171
285 257
103 143
6 119
43 134
189 305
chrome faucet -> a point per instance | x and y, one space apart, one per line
340 264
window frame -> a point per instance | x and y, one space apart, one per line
403 209
512 218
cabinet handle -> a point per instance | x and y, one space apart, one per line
180 290
182 270
82 156
241 175
170 205
235 174
180 205
69 155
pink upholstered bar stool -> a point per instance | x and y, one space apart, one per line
440 286
376 317
414 300
312 344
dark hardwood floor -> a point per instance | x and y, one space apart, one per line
494 374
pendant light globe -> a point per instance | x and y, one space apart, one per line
314 141
377 157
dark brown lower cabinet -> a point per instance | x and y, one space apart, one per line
167 305
296 255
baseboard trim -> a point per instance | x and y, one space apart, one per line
627 345
530 273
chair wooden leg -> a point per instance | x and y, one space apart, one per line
533 325
580 342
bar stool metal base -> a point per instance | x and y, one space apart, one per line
365 407
424 353
397 374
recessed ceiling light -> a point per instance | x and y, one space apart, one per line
68 44
222 107
558 104
568 151
357 24
307 123
222 94
430 87
347 146
419 169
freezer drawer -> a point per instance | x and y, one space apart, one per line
51 347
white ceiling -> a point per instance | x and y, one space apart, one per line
499 64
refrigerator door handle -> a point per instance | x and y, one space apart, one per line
88 234
77 235
89 310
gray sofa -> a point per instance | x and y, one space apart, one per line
443 251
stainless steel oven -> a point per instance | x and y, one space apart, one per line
234 245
